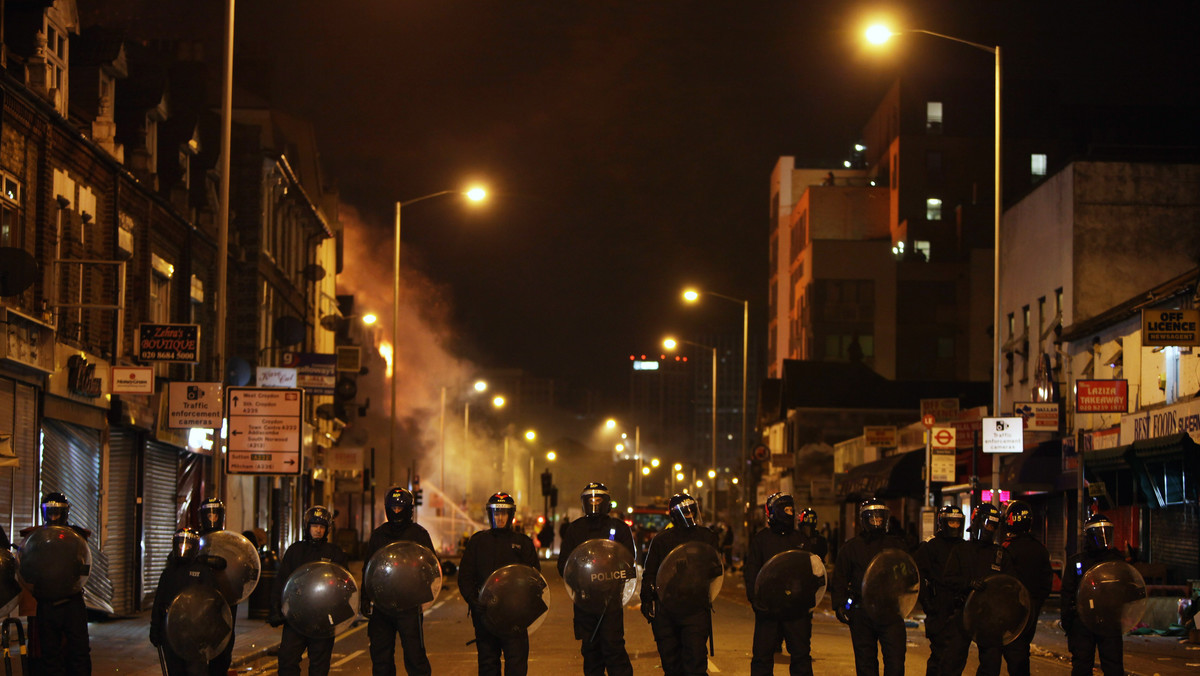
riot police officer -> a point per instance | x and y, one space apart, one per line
967 569
1081 641
382 629
1031 565
185 567
779 535
59 633
680 637
486 552
867 635
212 519
314 547
937 599
602 635
813 540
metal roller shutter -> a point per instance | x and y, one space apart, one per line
120 540
158 513
1174 532
18 489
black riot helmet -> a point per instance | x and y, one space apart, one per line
596 499
985 521
501 508
212 515
950 522
685 513
317 515
873 516
780 509
55 508
1098 533
808 521
1018 518
398 505
185 544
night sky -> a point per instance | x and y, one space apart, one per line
629 144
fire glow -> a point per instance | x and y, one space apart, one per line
385 351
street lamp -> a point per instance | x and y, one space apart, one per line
671 344
879 34
474 194
478 386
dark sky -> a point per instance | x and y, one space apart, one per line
629 143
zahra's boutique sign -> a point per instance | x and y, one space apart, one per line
169 342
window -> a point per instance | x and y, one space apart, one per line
933 209
933 117
1037 165
56 64
10 211
1023 348
921 247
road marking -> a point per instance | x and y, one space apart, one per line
713 668
347 658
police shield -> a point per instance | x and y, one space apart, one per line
890 586
320 599
240 575
600 573
790 584
401 576
997 613
54 562
514 599
199 624
689 578
1111 598
10 589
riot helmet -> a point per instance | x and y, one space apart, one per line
317 521
950 522
55 508
185 544
873 516
1098 533
501 508
685 513
780 509
596 499
985 521
1018 517
212 515
398 505
808 521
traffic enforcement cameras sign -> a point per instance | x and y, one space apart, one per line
1003 435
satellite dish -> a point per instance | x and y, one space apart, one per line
326 412
313 272
237 372
332 322
18 270
289 330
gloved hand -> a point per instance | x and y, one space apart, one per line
155 637
215 562
842 614
365 609
275 619
977 584
649 609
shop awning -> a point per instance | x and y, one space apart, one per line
1146 457
891 477
1035 469
1106 460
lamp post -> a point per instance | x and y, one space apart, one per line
880 34
473 194
671 344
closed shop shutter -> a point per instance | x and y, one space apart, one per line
158 513
18 488
71 464
1174 532
120 543
1056 527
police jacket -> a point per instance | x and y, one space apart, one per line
1031 565
177 576
300 553
1077 565
937 599
394 531
852 561
601 527
487 551
662 544
765 544
972 562
817 544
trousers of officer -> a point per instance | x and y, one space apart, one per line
1084 645
381 632
870 637
958 650
292 646
1016 654
682 642
490 648
796 634
946 635
62 636
219 666
603 642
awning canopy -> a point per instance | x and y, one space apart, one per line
1146 457
895 476
1034 470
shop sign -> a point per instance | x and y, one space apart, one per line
881 436
1038 416
274 376
316 373
1164 328
132 379
1101 396
942 410
169 342
1161 422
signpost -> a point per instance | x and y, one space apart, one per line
944 450
265 430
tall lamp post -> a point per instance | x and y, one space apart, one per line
671 344
473 194
878 35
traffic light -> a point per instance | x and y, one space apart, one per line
417 497
553 497
416 489
547 483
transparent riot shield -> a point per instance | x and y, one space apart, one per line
10 589
401 576
790 584
242 566
320 599
598 574
514 599
890 586
689 578
1111 598
199 624
996 614
54 562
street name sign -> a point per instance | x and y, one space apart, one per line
265 430
194 405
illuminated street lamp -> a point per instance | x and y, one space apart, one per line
370 318
551 456
478 386
671 344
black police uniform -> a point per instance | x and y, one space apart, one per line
292 643
768 629
179 574
1081 641
603 635
867 635
966 567
219 665
382 628
59 633
815 543
1031 565
486 552
680 638
938 599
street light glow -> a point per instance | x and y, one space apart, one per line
878 34
498 401
645 471
480 385
699 483
691 295
620 448
476 194
370 318
530 435
670 343
712 474
654 462
551 456
610 423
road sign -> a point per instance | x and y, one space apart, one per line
194 405
132 379
1003 435
265 430
928 420
943 438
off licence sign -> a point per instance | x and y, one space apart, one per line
265 432
1164 328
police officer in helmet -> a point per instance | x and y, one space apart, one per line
602 635
185 567
967 570
813 540
868 635
487 551
58 634
211 515
1031 565
314 547
937 598
1081 641
398 506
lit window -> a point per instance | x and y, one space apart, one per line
933 117
921 247
933 209
1037 165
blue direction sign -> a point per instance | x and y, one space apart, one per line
265 430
